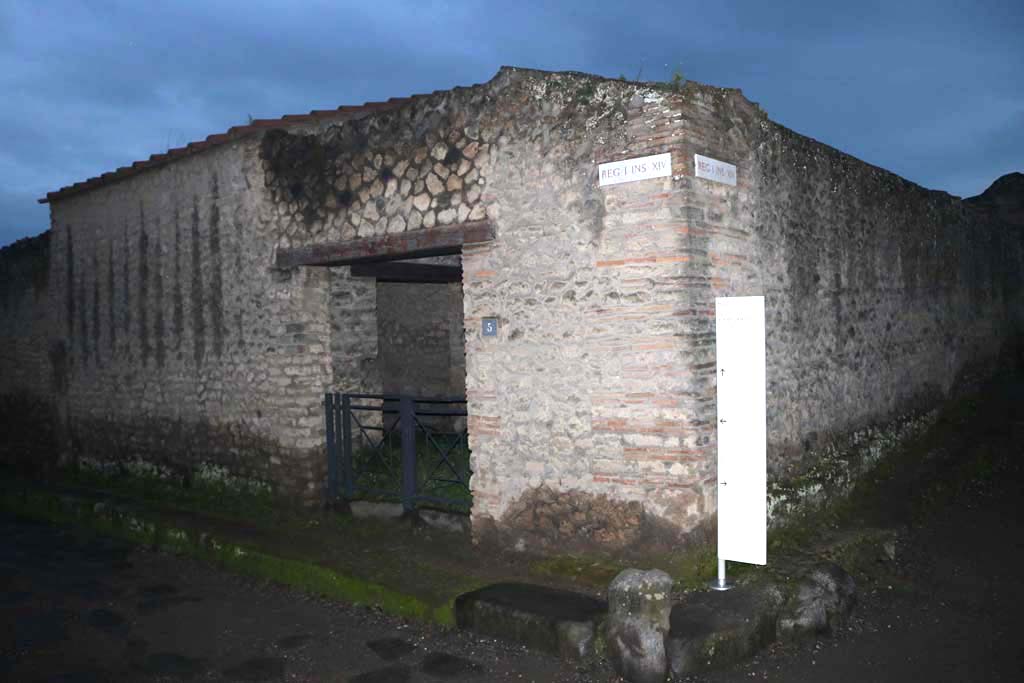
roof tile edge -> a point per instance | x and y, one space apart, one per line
343 112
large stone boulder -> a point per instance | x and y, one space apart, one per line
715 629
639 606
822 601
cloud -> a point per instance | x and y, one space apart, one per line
21 216
93 86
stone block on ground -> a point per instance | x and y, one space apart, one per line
639 605
366 509
446 521
823 600
560 622
714 629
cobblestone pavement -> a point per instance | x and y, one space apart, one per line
85 608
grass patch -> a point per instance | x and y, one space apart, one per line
914 477
206 491
305 574
592 571
378 471
693 568
690 569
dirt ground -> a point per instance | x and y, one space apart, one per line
952 610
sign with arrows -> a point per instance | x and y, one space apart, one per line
742 429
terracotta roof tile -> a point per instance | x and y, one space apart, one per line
233 133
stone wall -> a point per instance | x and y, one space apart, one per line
592 412
584 390
27 360
25 365
882 294
879 293
183 345
355 346
421 339
598 392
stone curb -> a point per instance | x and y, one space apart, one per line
136 524
559 622
712 629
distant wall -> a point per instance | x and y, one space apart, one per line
25 365
421 338
28 381
354 333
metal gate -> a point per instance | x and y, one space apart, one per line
395 447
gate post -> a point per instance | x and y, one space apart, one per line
407 418
346 447
332 449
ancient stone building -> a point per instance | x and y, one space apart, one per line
195 307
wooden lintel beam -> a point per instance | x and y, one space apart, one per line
403 245
397 271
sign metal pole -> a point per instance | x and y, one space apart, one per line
721 583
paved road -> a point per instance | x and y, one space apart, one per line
84 609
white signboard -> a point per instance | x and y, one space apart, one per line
742 429
713 169
641 168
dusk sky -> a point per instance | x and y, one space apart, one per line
933 91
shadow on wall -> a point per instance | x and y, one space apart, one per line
29 440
